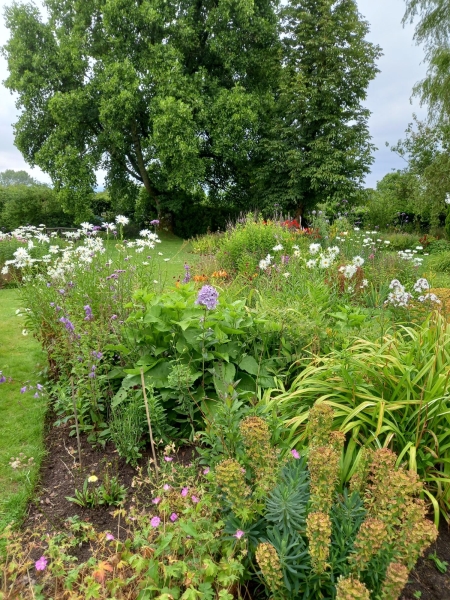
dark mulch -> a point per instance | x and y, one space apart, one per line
426 578
61 475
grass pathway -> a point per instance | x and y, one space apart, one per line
21 415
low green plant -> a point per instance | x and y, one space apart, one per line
441 565
109 493
439 262
126 427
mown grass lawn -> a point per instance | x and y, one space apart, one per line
21 415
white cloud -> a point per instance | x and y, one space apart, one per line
388 97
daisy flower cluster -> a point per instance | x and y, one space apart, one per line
325 256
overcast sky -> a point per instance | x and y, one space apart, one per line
388 96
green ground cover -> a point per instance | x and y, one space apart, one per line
21 415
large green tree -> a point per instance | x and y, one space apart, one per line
166 94
231 101
318 147
432 19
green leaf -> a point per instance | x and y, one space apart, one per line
249 364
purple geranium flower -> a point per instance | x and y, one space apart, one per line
155 522
2 377
239 533
109 537
207 296
173 517
295 453
184 492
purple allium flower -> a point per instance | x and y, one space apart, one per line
295 453
154 222
113 317
173 517
23 390
41 564
52 304
62 291
155 522
156 500
206 471
88 313
207 296
168 458
239 533
98 355
109 537
184 492
195 499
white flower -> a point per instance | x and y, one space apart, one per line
286 275
421 285
297 253
419 247
121 220
160 253
358 261
430 297
387 242
295 247
86 226
264 264
5 270
355 228
324 262
166 259
348 271
24 331
53 249
155 281
311 263
314 248
277 248
364 283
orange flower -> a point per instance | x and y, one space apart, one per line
219 274
200 278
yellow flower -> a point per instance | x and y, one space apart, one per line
92 478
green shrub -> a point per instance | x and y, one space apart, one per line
439 262
208 243
402 241
438 246
244 245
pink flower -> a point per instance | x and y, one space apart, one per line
295 454
206 471
173 517
155 522
156 500
168 458
242 470
239 533
166 487
41 564
184 492
109 537
195 500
